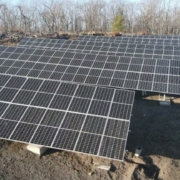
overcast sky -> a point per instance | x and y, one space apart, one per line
15 2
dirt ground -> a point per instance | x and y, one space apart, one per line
154 127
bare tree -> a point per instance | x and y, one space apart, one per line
50 16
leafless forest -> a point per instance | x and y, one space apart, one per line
49 16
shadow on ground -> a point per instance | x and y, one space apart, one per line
51 151
155 128
144 169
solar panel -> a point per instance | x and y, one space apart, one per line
112 71
29 41
154 36
121 49
73 117
177 37
160 40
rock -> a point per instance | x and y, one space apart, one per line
90 173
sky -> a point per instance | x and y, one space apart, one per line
15 2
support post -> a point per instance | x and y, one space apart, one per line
144 93
138 151
164 97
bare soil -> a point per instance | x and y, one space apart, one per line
154 127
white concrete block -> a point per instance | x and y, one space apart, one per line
107 168
165 103
37 149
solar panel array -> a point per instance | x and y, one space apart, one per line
51 90
28 42
135 36
81 118
128 50
121 72
153 36
133 39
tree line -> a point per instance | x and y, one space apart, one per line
50 16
